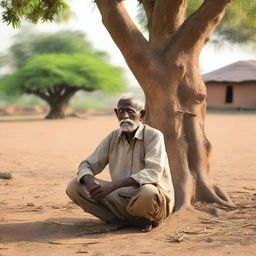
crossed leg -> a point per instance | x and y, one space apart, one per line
148 204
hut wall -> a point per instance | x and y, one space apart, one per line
244 95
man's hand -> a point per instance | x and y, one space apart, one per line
99 191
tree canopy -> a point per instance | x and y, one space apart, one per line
55 78
48 71
28 43
13 11
238 25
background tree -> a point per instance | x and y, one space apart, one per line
55 78
28 43
47 65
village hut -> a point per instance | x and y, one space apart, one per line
232 87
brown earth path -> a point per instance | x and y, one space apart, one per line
37 218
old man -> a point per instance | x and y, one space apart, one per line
140 191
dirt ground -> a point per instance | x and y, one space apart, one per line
37 218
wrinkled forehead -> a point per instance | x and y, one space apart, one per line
130 103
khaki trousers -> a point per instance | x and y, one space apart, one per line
129 203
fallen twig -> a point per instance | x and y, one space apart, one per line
72 242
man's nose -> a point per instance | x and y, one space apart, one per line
125 115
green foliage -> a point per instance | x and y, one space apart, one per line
29 43
239 23
237 26
33 10
193 6
80 70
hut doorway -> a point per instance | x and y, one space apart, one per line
229 94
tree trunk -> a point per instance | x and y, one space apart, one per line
58 104
167 68
57 109
179 113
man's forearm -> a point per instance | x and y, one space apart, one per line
89 181
99 191
125 182
87 178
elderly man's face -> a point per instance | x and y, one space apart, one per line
128 115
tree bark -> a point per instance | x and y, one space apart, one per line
167 68
59 101
57 109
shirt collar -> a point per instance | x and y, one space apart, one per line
139 133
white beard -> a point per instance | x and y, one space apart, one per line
128 125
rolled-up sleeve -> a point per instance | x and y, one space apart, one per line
155 161
97 161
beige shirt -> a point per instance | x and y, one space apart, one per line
144 159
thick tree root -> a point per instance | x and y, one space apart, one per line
213 194
51 116
223 195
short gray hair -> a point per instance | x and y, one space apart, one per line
130 97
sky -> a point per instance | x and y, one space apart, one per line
87 18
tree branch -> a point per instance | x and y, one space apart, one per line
167 17
148 7
69 92
87 89
134 47
38 93
50 91
196 30
58 89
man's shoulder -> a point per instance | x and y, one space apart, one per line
114 134
152 131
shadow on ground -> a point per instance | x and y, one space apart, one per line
54 228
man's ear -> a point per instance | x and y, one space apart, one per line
115 109
142 114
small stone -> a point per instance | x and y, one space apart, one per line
82 252
209 240
30 204
56 207
213 211
5 175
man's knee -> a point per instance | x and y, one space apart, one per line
145 203
148 192
72 189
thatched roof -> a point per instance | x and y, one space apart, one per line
240 71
